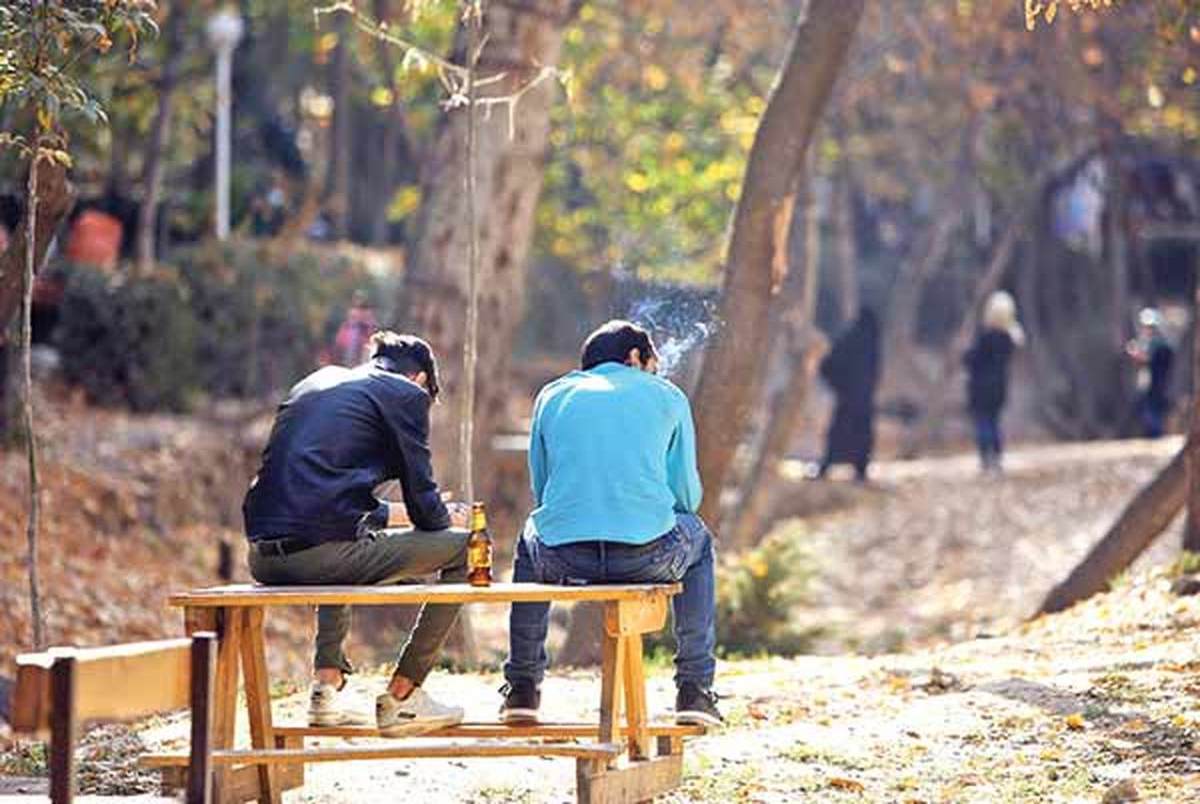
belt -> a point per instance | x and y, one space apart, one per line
283 546
601 545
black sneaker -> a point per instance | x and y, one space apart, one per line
521 700
696 706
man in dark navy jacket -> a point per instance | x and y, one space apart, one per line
312 516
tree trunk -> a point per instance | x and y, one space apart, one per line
1146 516
55 199
733 362
1191 535
32 521
173 51
340 142
519 40
802 344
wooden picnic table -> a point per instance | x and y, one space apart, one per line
616 758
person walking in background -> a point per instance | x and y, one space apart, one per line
987 363
851 369
350 343
1154 356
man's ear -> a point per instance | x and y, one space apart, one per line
421 379
634 358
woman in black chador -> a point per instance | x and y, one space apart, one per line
851 369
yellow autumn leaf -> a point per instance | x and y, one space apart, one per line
1075 722
842 783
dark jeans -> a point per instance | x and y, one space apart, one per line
390 556
1152 413
989 439
685 553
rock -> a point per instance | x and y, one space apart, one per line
1125 790
1186 586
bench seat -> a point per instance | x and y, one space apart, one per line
248 594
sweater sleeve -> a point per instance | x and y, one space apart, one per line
683 476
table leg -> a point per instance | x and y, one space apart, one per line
636 718
227 622
610 686
258 699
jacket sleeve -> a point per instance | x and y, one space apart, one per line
683 476
409 424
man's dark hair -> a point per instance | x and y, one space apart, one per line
611 343
408 355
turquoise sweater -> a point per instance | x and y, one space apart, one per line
612 456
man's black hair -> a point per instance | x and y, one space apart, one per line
408 355
611 343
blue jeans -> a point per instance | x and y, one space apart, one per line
989 439
684 553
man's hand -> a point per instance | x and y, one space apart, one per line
460 514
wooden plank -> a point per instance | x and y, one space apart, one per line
175 773
399 749
630 617
669 744
203 685
561 731
62 729
258 698
289 777
610 685
634 678
243 782
130 681
640 781
111 683
229 630
30 703
408 594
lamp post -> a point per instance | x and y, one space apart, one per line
224 31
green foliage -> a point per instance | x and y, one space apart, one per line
228 321
128 340
757 592
25 759
649 154
40 43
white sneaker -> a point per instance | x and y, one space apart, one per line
416 714
323 709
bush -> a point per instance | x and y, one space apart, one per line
228 320
127 340
757 592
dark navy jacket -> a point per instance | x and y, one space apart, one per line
339 434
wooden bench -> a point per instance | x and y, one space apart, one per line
59 690
618 759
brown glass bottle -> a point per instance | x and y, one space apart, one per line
479 549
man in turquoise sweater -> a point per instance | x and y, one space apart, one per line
612 460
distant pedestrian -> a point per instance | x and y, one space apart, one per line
851 369
1154 355
987 363
350 343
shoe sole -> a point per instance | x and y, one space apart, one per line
320 722
690 718
424 726
519 717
